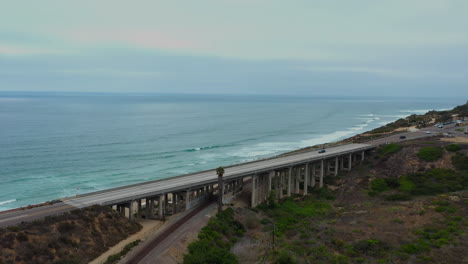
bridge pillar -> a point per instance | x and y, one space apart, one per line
289 181
270 181
312 177
321 173
350 161
174 203
147 209
362 156
262 188
131 210
187 200
306 178
336 165
297 178
160 207
139 208
254 192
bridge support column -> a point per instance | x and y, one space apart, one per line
174 203
336 165
254 192
160 207
131 210
321 174
306 179
350 161
187 200
261 189
312 178
139 208
362 156
147 208
297 179
289 181
270 181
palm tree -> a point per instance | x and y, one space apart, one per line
220 172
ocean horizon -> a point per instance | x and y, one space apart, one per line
54 145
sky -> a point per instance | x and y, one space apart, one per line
296 47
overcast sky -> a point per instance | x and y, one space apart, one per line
293 47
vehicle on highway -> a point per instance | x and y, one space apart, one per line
428 132
440 126
402 137
322 151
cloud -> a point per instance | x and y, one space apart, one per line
16 50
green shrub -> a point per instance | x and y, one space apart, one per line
284 258
214 240
392 182
379 185
433 182
430 153
390 148
453 147
413 248
398 197
460 161
265 221
371 247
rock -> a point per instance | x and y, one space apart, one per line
454 198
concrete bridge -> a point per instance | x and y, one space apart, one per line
284 175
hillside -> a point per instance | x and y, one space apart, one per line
406 203
75 237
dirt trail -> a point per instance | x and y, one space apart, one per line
150 227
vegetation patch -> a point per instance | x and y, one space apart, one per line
116 257
215 240
289 212
76 237
379 185
460 162
453 147
433 182
390 148
430 153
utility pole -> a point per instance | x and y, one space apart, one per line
220 172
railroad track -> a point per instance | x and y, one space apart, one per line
143 252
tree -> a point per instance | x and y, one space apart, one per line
220 172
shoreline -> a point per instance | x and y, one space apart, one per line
350 135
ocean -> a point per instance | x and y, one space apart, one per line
55 145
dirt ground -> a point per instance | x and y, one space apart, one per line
456 140
150 227
356 216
